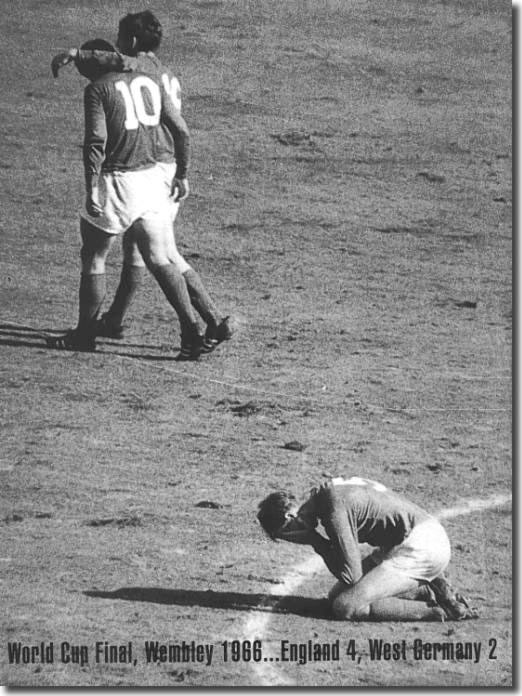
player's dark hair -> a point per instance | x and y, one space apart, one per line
272 511
91 68
144 27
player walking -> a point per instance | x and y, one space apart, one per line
128 118
401 581
139 36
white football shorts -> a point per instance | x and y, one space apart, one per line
423 555
141 194
126 196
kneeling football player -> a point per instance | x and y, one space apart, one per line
402 580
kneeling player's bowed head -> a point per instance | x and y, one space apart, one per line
274 512
92 70
139 32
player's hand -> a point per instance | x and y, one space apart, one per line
180 189
60 60
92 204
297 532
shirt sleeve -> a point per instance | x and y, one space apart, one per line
95 134
174 122
108 60
342 531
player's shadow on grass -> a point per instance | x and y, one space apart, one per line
143 356
17 343
240 601
19 335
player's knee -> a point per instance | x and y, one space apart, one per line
348 609
154 257
132 257
177 260
336 591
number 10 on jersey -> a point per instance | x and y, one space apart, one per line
136 110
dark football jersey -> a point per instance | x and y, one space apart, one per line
358 510
147 63
125 117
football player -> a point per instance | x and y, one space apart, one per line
128 191
402 580
139 36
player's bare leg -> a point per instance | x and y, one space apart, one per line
375 597
96 245
152 238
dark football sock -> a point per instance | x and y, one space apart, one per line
419 594
200 299
92 294
130 281
175 290
395 609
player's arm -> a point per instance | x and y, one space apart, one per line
174 122
344 555
94 143
327 551
109 60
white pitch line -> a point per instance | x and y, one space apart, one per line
473 505
257 625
